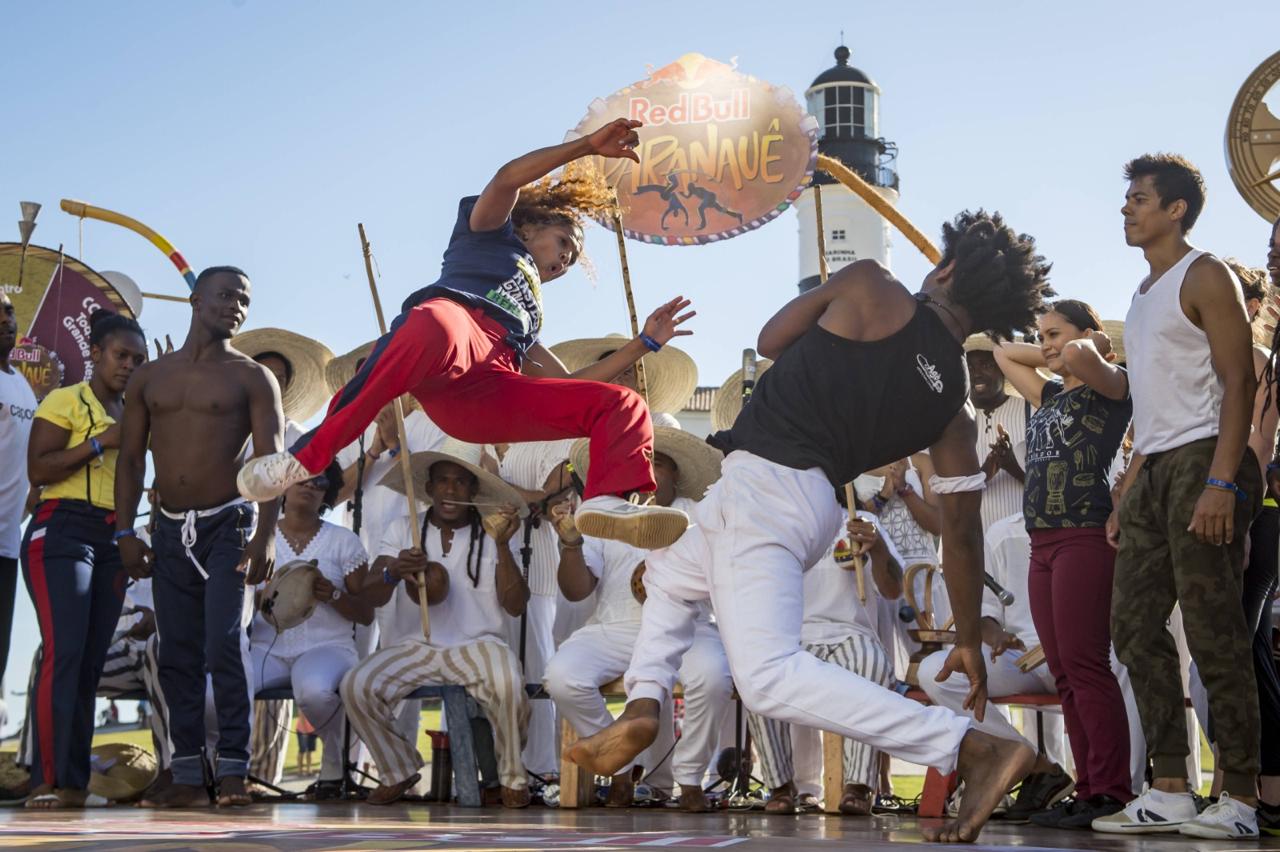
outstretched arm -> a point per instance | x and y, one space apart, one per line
795 318
616 139
662 325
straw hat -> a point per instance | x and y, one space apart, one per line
727 403
699 462
1114 329
670 374
342 369
306 393
493 490
983 343
122 772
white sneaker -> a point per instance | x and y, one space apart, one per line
267 477
1153 812
647 527
1225 819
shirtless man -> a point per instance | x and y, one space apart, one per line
197 408
864 373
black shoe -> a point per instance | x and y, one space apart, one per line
1039 791
1269 819
1062 810
324 790
1092 808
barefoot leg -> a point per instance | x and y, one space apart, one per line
693 800
232 793
988 766
612 748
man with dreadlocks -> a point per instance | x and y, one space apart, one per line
467 347
472 581
865 373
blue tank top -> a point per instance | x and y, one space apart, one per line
491 270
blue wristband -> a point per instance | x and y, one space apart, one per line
651 344
386 577
1227 486
97 447
393 452
119 534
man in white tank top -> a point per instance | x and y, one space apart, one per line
1186 505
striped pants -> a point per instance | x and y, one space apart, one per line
860 654
269 747
489 671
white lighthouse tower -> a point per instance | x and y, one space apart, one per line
846 104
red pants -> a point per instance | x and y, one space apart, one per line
1070 595
454 360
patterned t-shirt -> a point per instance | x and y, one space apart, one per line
491 270
1071 440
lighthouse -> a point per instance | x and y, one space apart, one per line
846 103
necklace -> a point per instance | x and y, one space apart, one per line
299 545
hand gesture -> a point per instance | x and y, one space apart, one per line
1213 520
166 349
663 324
109 438
322 590
388 436
562 520
618 138
967 660
1102 343
138 559
503 523
258 560
864 535
1004 642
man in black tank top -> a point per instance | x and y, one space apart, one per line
865 373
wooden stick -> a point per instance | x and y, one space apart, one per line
406 464
859 564
616 213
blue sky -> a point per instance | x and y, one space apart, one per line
258 133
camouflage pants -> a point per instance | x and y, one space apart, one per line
1160 563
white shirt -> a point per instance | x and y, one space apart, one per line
1009 562
1003 496
527 465
470 612
337 552
17 409
832 611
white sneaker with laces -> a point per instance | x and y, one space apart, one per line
1153 812
643 525
1225 819
267 477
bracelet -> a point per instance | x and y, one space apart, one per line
1227 486
878 501
395 451
577 545
651 344
119 534
96 445
386 576
905 490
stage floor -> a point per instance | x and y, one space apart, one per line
350 827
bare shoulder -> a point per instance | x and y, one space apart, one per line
866 275
1209 276
251 374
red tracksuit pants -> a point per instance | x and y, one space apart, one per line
455 361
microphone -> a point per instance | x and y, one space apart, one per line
748 373
906 613
1002 594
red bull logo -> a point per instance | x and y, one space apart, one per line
692 109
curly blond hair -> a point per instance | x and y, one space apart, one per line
578 193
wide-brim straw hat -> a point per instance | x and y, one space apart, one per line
670 374
1114 329
342 369
307 391
983 343
698 461
493 490
727 404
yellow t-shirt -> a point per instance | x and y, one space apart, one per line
78 410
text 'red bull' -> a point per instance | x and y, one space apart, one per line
698 108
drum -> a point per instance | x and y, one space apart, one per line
289 598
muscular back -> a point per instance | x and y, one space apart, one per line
201 415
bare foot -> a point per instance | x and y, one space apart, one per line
42 798
515 797
178 796
693 800
989 766
856 800
232 793
622 791
610 749
159 785
386 794
782 800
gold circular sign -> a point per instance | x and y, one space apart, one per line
1253 139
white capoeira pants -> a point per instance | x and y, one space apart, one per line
314 677
751 540
864 656
1003 678
489 671
131 665
541 752
599 653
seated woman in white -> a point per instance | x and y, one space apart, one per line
313 656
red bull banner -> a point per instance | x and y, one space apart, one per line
53 296
721 153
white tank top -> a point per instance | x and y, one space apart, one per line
1177 396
